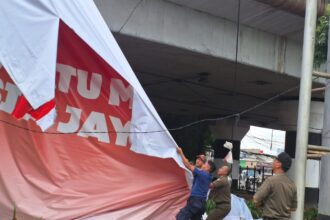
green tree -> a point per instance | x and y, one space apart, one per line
321 38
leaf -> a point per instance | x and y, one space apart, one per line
321 39
255 211
14 213
210 205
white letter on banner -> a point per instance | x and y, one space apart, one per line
73 124
66 72
122 138
12 95
94 86
119 91
96 123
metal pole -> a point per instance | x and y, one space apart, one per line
247 179
239 177
254 179
319 148
321 74
304 105
271 140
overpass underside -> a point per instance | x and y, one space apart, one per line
184 82
184 53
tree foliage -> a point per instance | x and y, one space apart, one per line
321 38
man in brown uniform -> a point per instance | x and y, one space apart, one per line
278 194
220 194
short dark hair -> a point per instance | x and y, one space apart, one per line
212 166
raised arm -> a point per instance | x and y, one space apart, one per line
219 183
185 160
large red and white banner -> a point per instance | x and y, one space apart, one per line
83 167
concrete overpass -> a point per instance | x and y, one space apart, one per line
184 53
191 46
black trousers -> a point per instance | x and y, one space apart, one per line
193 210
268 218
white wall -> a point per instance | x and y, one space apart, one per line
312 173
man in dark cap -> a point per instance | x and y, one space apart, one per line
278 194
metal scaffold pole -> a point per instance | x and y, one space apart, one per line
304 105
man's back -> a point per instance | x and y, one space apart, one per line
221 192
202 180
279 196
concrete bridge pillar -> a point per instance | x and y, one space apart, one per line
324 194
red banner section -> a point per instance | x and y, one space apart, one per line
83 166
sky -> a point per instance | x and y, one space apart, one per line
268 140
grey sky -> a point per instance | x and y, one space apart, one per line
264 139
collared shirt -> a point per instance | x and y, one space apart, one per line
277 195
202 180
221 192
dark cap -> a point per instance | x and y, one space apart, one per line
285 160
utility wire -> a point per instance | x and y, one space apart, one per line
239 114
130 15
263 139
236 120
